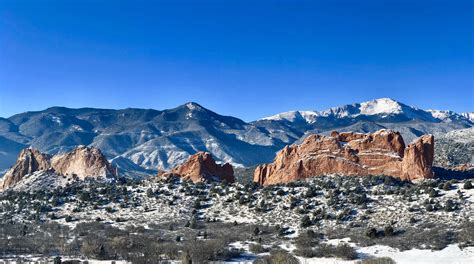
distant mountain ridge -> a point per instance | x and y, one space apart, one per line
378 109
366 117
150 139
468 115
140 141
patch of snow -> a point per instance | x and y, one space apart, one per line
54 118
193 106
469 115
450 254
76 128
380 106
292 116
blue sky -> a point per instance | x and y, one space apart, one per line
238 58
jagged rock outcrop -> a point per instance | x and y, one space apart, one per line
418 159
351 154
29 161
201 167
81 162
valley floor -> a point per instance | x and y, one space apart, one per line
326 219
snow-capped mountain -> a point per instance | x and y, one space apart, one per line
469 115
379 108
140 141
294 116
365 117
383 107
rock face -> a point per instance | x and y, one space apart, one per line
351 154
29 161
82 162
202 167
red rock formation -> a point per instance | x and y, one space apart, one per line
418 158
29 161
351 154
202 167
81 162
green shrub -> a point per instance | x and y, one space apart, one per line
429 208
371 232
388 231
433 193
278 257
450 206
343 251
257 248
306 252
447 186
305 221
467 185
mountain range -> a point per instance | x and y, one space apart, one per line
141 141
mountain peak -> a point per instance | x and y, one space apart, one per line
193 106
292 116
380 106
376 109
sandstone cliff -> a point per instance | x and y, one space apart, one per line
351 154
81 162
202 167
29 161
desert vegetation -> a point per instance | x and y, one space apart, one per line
164 219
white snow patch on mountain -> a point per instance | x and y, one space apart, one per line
469 115
292 116
309 116
440 114
380 106
55 119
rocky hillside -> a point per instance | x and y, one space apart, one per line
140 141
455 148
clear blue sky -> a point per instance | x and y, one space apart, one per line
239 58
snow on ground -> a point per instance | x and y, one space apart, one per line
35 259
275 208
450 254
